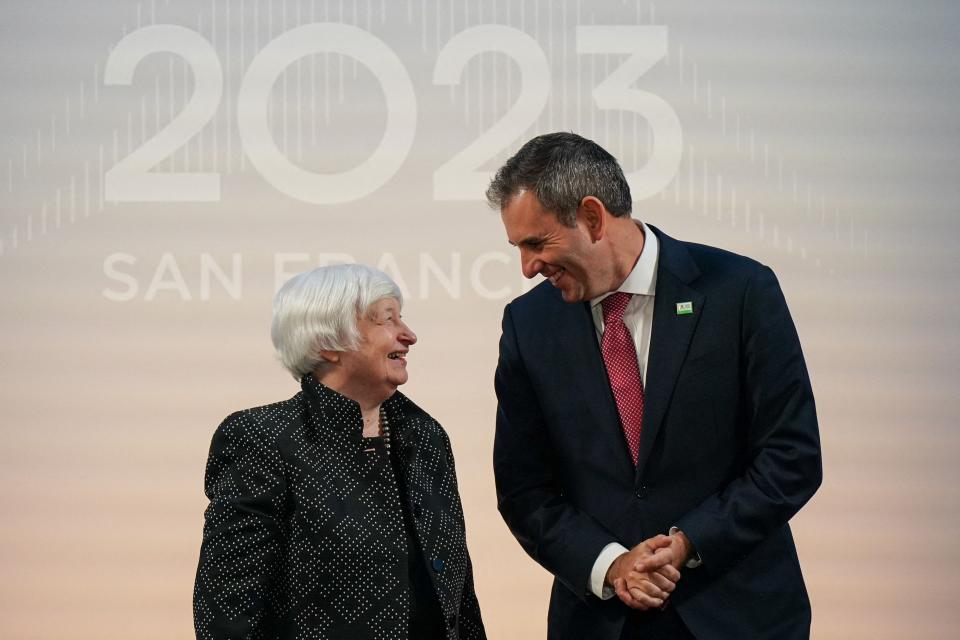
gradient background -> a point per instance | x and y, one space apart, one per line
819 137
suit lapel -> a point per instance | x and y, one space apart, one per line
670 336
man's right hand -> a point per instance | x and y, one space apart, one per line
644 577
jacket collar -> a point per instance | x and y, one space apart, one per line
674 257
343 413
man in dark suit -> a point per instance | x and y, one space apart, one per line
655 416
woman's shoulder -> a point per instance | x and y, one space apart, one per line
410 411
414 416
266 423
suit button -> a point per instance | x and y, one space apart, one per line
642 491
438 564
451 620
417 511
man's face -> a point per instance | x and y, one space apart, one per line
566 256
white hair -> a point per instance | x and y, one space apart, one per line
317 311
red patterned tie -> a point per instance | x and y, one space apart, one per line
620 358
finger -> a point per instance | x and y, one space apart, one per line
649 563
620 588
653 562
643 583
645 601
660 541
669 572
657 542
663 582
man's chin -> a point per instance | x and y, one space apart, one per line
572 295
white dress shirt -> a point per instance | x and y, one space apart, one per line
638 317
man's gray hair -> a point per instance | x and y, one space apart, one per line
317 311
562 169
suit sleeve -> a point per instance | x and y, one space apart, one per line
565 541
783 468
242 534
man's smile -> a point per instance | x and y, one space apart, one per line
554 277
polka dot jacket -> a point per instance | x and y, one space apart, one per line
304 536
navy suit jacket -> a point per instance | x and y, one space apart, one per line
729 450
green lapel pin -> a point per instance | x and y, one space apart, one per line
684 308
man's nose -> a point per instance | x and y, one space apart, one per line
529 265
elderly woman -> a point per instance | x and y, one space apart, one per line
335 514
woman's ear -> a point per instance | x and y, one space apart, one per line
330 357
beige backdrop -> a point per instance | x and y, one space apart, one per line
820 138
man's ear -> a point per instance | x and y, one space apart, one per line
593 216
330 357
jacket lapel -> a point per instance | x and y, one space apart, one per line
670 336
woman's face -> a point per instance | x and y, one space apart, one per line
379 362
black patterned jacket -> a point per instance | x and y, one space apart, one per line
304 536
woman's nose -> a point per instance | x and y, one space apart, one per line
407 336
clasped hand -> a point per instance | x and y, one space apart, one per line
645 576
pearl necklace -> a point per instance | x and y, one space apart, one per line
384 427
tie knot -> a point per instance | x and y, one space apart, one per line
614 305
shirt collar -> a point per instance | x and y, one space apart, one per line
643 279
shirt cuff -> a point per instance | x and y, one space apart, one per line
599 572
695 561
